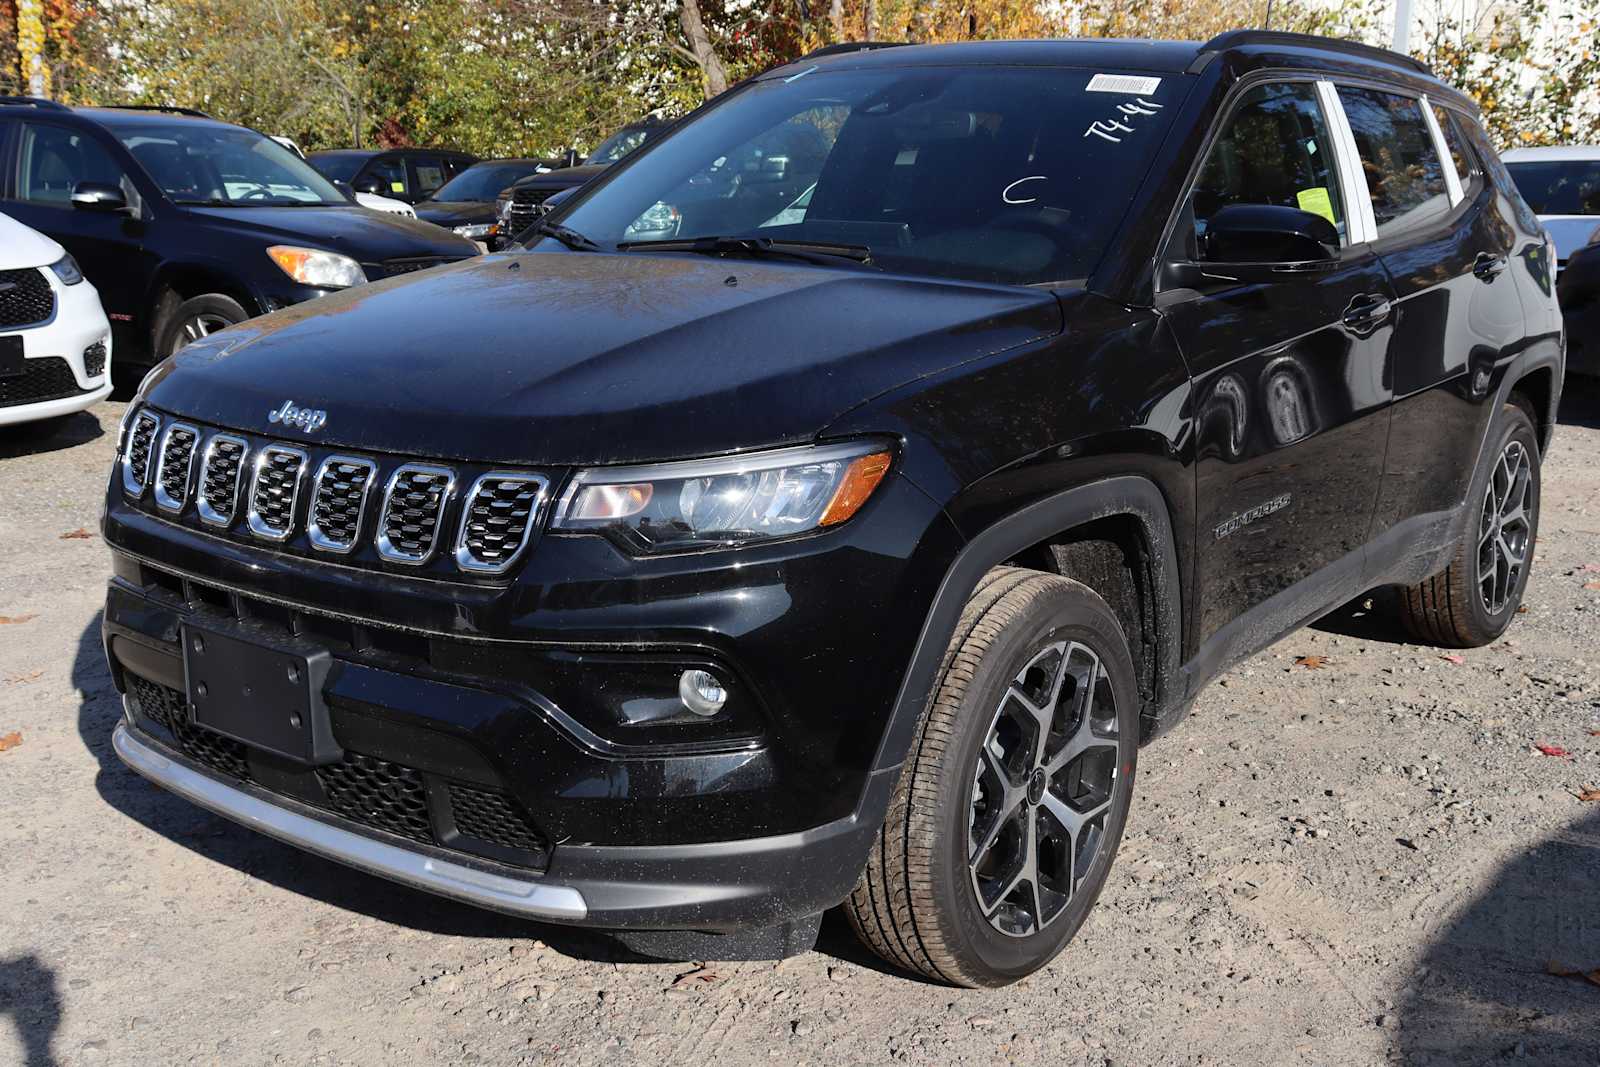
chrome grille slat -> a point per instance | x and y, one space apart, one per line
498 518
338 502
175 466
414 503
221 474
275 491
136 460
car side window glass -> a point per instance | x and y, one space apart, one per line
1461 156
1274 150
430 175
54 159
1404 175
390 174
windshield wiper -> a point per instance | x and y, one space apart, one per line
821 252
569 237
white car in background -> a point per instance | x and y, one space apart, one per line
1562 185
55 342
386 204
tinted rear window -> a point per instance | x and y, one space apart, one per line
1559 188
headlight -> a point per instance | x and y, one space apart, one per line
66 268
734 500
476 230
313 266
660 220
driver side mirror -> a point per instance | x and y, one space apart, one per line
344 189
98 196
1268 234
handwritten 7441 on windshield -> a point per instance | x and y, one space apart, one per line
1126 113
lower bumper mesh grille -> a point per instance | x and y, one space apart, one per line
374 792
41 379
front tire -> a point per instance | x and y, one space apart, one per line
1472 601
198 317
1007 816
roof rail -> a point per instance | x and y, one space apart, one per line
172 108
1240 38
852 46
32 101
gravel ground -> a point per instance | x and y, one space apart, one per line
1364 863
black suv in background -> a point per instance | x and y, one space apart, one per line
525 200
467 204
844 551
187 225
409 174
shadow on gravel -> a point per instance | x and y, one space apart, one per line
1483 991
28 994
1580 402
1373 616
224 842
50 435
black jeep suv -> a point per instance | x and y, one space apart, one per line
843 551
187 225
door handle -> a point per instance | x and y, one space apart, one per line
1366 312
1487 267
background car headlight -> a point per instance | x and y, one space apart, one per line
660 220
476 230
66 268
728 501
313 266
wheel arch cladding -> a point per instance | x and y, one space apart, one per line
177 282
1046 531
1538 386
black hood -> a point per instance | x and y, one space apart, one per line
365 235
448 213
562 178
574 358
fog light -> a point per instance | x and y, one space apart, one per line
701 693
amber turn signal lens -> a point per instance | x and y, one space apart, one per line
858 483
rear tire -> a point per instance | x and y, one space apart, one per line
1472 601
1015 793
195 318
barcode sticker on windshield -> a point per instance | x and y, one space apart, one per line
1126 84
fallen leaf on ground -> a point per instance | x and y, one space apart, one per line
24 676
697 977
1561 970
1522 609
1311 663
1457 660
11 740
1588 793
1594 733
1591 585
1590 567
80 534
1552 750
12 620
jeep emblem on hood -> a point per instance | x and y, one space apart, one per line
308 420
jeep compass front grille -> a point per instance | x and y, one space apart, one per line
25 297
220 474
413 506
176 466
376 511
136 461
275 490
337 500
499 512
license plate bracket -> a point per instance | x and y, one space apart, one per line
11 364
264 693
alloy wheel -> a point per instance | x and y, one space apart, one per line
1505 531
198 326
1043 788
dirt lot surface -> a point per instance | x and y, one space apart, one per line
1359 863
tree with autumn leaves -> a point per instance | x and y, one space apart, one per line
506 77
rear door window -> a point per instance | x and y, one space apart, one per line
1275 149
428 174
1405 177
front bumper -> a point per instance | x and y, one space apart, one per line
55 350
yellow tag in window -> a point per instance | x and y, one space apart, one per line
1316 201
400 187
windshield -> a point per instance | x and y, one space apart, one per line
1003 174
483 181
224 166
1559 188
618 145
337 166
